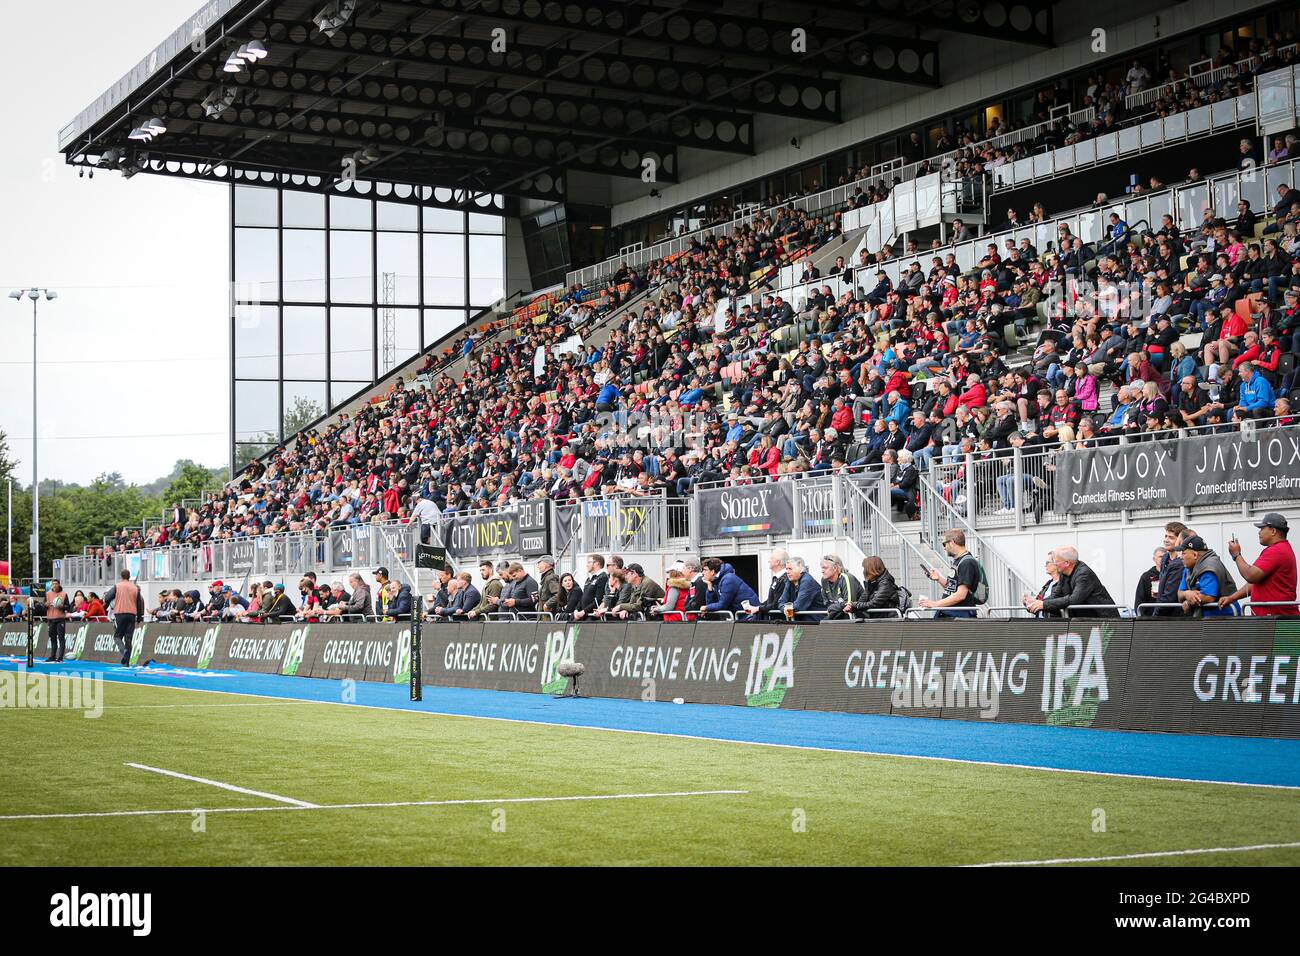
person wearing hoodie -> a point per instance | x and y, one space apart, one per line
191 607
804 595
727 592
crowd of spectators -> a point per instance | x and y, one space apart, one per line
1138 334
1195 328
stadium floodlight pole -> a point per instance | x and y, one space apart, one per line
35 544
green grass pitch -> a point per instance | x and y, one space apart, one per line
799 807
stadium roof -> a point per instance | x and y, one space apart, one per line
468 101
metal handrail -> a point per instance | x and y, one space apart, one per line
853 615
1009 607
1156 605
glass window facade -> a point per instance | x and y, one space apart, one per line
323 283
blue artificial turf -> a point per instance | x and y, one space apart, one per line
1241 760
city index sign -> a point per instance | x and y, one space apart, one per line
474 535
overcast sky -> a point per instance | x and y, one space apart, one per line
134 352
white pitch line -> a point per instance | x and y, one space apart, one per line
372 806
727 740
224 786
269 703
1141 856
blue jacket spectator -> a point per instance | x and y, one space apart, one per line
1256 394
608 396
400 606
806 590
727 592
900 411
1205 573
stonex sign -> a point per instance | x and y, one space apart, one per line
747 510
1257 464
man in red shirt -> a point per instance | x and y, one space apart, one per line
1273 575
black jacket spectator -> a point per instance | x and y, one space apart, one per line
880 593
593 592
1078 588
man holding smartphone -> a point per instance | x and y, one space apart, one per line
960 588
1272 578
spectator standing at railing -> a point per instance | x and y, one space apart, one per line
359 604
841 591
1204 580
645 594
395 602
593 589
727 591
441 596
962 588
519 593
879 590
804 597
548 590
95 610
278 608
1148 586
166 604
677 588
1272 577
1048 591
464 597
1078 592
776 590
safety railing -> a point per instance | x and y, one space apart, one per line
1012 489
1134 137
1201 74
1186 204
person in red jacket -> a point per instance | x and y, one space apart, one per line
1231 334
899 382
393 497
975 396
842 417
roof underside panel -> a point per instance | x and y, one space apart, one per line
502 97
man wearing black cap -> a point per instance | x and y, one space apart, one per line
1273 575
1204 581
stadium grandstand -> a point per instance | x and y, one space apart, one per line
587 324
906 347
